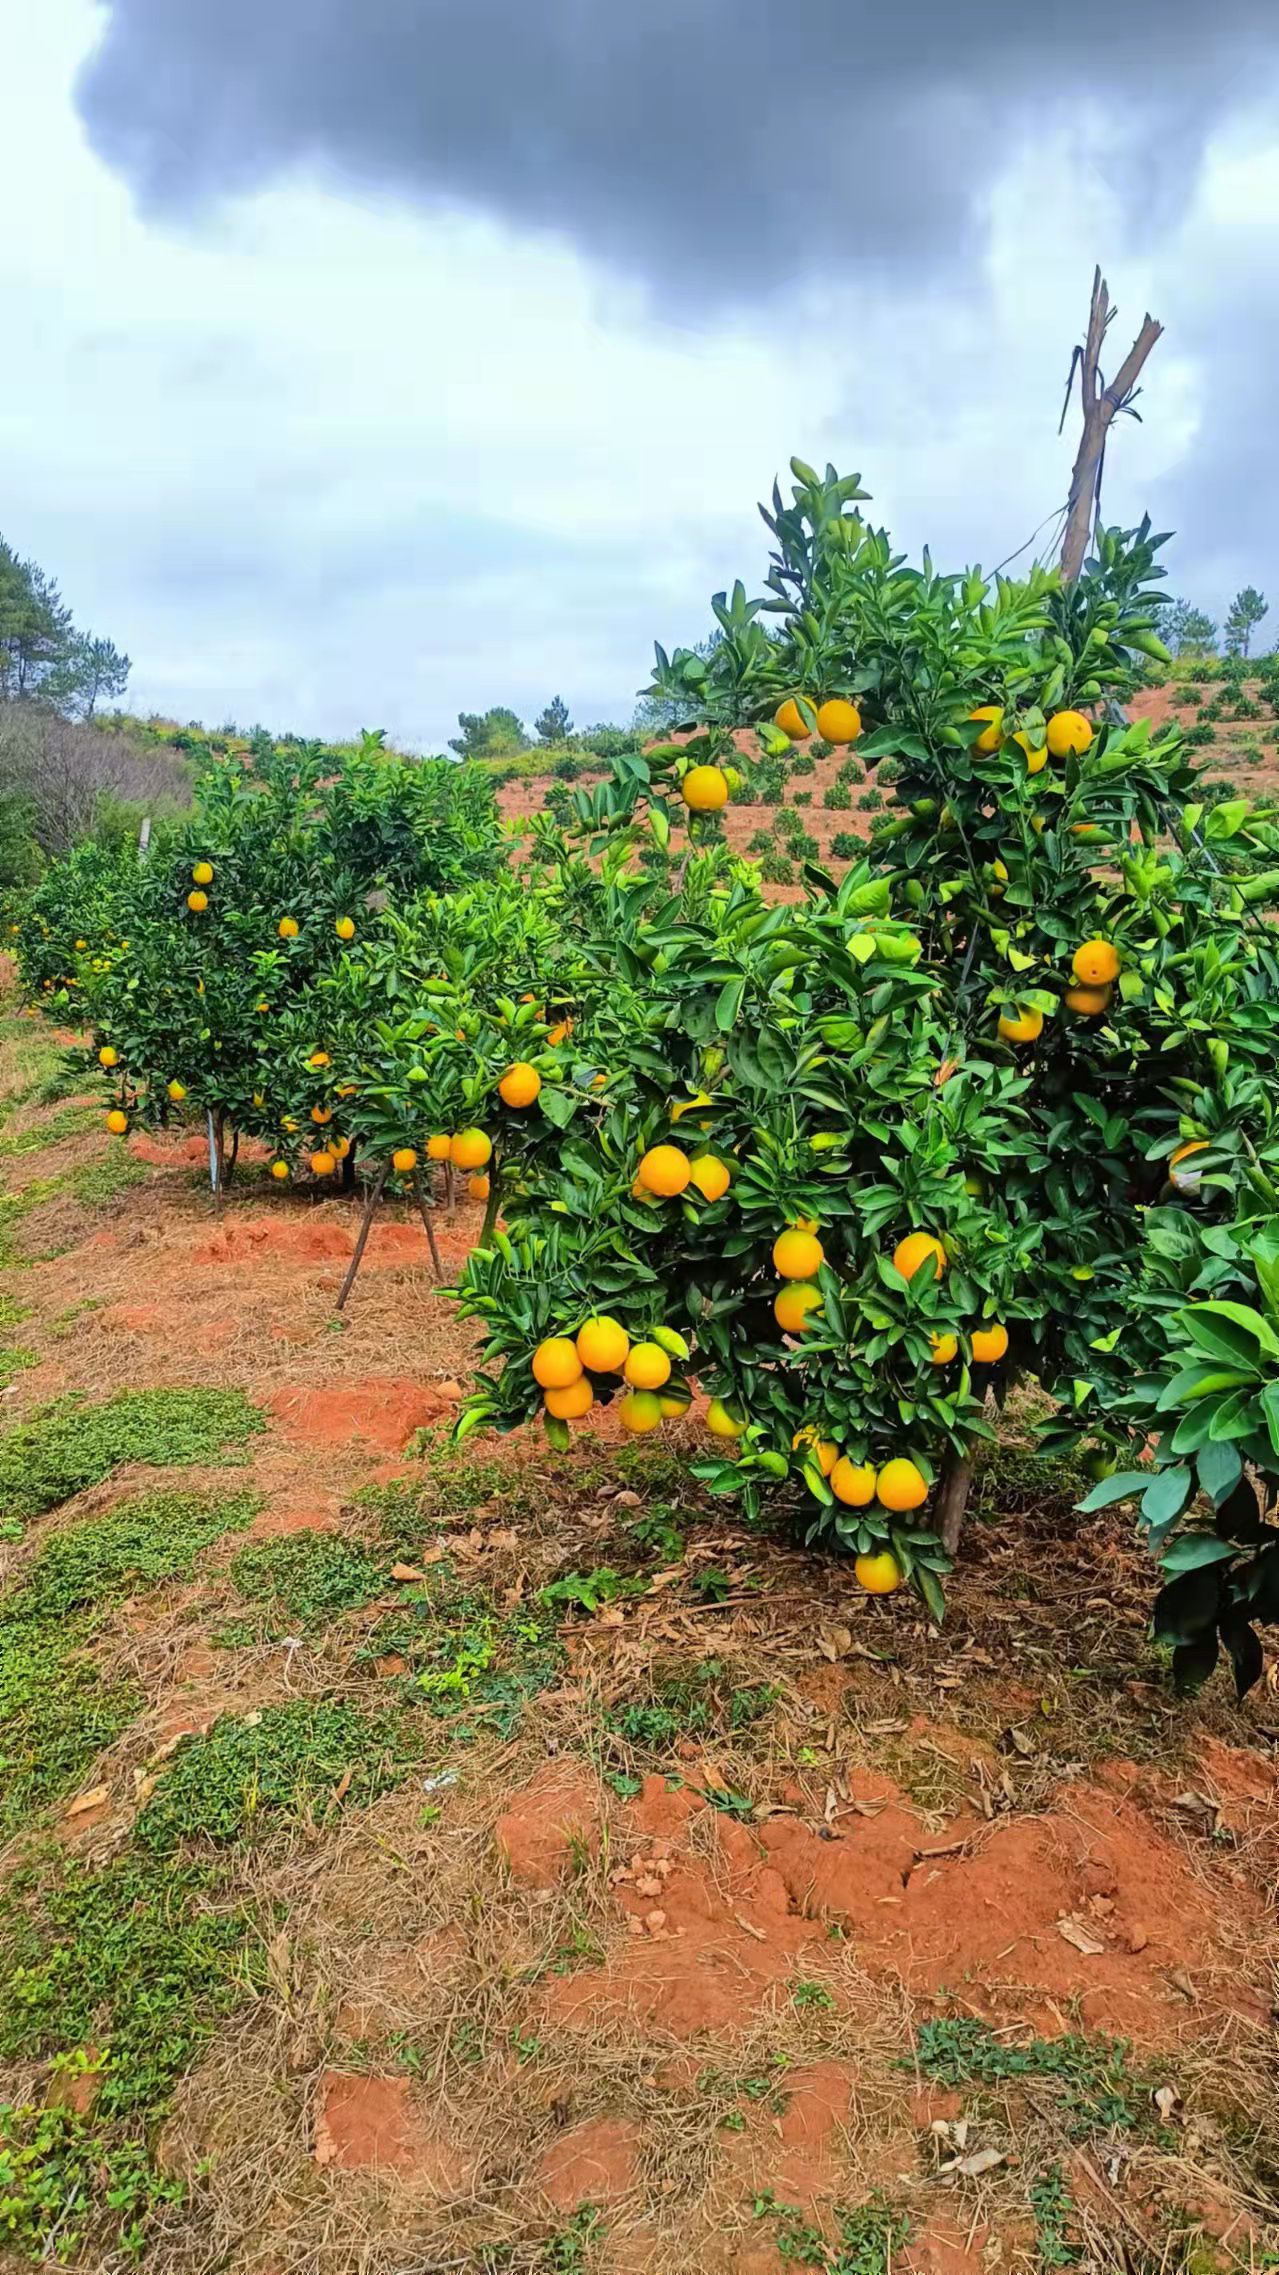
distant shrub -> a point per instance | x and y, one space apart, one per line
852 770
845 845
870 801
804 761
1199 738
776 868
803 797
567 767
888 773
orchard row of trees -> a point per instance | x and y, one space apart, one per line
997 1109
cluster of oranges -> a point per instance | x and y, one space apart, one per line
666 1171
288 927
838 721
563 1366
1095 967
1068 734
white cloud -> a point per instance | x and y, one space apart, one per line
328 461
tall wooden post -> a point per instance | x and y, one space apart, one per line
1101 404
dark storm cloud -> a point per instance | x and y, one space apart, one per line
713 148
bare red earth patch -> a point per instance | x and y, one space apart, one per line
370 2123
592 2164
295 1240
383 1411
536 1833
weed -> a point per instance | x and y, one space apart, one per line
73 1121
809 1997
14 1361
56 1708
586 1591
487 1667
871 2237
688 1702
1092 2074
292 1764
659 1535
1052 2204
566 2252
309 1578
70 1445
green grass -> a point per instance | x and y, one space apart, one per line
141 1962
70 1445
71 1121
98 1181
250 1775
57 1709
308 1579
689 1702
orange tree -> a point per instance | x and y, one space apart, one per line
197 966
962 1076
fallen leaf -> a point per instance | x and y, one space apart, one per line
834 1642
1073 1931
981 2160
407 1572
343 1786
93 1799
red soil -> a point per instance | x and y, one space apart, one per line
382 1412
365 2122
592 2164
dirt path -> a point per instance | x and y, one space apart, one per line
543 1872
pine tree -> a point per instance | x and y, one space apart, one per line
554 725
1242 618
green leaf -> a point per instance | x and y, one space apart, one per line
1195 1549
729 1005
1220 1469
1124 1486
1238 1315
1166 1496
1270 1408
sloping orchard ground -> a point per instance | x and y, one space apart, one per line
486 1861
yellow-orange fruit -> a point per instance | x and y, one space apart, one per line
470 1149
853 1483
838 721
989 1344
1096 963
603 1345
647 1366
1069 734
793 1304
901 1486
569 1404
556 1363
912 1253
664 1170
704 789
797 1254
403 1160
710 1175
992 733
879 1574
520 1085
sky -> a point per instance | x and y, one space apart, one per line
367 361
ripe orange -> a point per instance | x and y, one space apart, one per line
321 1114
107 1056
288 928
318 1058
710 1175
322 1164
177 1092
1186 1180
479 1187
647 1367
675 1399
470 1149
992 735
570 1403
880 1574
339 1147
838 721
665 1170
821 1450
603 1345
639 1412
520 1085
721 1422
344 926
792 722
279 1170
1089 1002
853 1483
197 903
404 1160
912 1253
437 1147
792 1305
990 1345
556 1363
1096 963
560 1033
1069 734
945 1348
1036 758
901 1486
704 789
117 1122
797 1254
202 874
1021 1026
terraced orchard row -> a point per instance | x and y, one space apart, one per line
995 1109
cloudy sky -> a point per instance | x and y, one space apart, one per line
369 360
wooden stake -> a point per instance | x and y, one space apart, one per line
1101 404
426 1213
375 1196
952 1500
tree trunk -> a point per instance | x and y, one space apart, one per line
1100 406
375 1196
952 1500
424 1210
